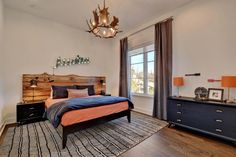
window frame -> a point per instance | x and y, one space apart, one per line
145 68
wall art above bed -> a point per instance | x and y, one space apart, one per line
43 89
71 61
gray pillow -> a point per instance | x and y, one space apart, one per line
91 90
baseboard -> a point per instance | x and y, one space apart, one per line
2 127
142 111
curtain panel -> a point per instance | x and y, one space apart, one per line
163 67
124 85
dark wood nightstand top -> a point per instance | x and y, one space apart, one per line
30 103
107 95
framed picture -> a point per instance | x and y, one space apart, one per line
215 94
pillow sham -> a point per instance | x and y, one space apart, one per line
91 90
77 93
61 91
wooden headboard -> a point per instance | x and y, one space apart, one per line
45 81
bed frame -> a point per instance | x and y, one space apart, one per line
42 92
65 130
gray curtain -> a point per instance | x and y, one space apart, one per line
124 86
163 67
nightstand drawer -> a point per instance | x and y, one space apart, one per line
31 113
36 106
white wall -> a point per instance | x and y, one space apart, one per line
32 45
1 67
204 40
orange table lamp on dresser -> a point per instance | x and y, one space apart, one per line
178 81
228 82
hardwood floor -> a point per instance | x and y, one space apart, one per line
5 131
177 142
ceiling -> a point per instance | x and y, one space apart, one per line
75 12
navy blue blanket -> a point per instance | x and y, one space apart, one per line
56 111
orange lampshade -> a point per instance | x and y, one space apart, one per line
178 81
228 81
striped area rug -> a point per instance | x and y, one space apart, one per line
106 140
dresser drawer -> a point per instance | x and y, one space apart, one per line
174 113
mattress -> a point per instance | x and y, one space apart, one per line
77 116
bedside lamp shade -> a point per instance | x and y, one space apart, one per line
178 81
33 83
228 81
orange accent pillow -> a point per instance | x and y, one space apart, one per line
77 93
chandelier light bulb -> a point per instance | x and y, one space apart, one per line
112 30
104 32
93 23
104 21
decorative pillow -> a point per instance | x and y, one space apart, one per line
77 93
91 90
61 91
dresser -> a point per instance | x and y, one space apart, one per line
213 118
30 112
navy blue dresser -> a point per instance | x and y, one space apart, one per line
214 118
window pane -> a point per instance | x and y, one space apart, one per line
137 70
137 59
150 70
151 86
142 79
150 56
137 86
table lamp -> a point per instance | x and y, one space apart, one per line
178 81
33 84
228 82
103 82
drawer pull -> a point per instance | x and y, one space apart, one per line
31 108
218 130
219 120
178 105
219 111
31 115
178 120
179 113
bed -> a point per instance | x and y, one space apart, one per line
81 118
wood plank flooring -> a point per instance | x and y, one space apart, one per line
5 131
177 142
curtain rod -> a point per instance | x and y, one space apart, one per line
171 17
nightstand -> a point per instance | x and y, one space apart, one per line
28 112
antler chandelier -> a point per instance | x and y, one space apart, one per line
101 26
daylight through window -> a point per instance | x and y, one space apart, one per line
142 70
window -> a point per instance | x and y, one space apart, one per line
142 70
